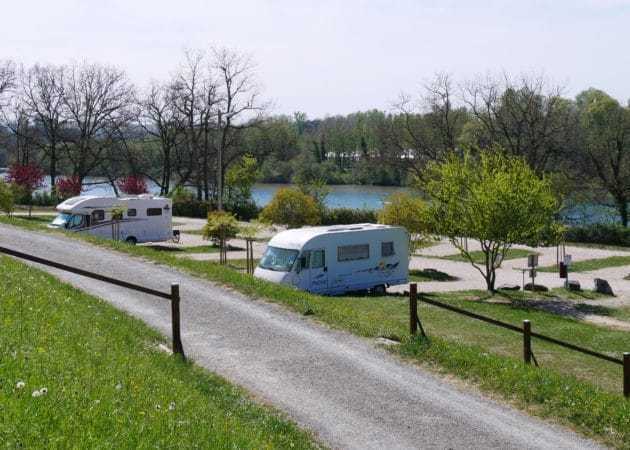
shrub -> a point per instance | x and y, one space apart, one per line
67 187
348 216
191 208
221 226
409 211
293 208
133 185
605 234
7 198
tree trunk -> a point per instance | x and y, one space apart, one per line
622 206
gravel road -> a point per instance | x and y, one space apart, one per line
349 392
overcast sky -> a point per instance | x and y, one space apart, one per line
335 57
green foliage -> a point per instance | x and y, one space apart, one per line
606 234
108 385
409 211
347 216
240 179
496 199
293 208
221 226
7 198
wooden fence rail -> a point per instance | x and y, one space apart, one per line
526 330
173 296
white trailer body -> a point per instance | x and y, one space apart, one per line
333 260
144 218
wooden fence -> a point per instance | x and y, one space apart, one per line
415 324
172 296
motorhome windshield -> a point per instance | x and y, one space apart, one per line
278 259
65 220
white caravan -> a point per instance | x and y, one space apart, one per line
142 218
337 259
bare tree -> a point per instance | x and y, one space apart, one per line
526 117
425 128
239 106
163 122
97 102
42 89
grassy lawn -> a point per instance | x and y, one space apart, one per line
479 257
572 388
429 275
588 265
108 385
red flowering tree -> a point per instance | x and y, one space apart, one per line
27 178
67 187
133 185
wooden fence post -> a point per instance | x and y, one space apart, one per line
527 341
175 320
626 374
413 309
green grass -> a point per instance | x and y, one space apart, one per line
108 384
575 389
429 275
588 265
479 257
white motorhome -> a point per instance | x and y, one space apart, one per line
336 259
142 218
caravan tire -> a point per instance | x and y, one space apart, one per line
131 240
379 290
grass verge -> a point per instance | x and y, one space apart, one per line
479 257
108 385
572 388
588 265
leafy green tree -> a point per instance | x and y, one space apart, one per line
240 179
293 208
221 226
606 145
409 211
7 198
496 199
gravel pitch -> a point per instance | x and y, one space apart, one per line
349 392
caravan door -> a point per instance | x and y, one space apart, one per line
318 271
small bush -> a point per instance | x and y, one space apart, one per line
605 234
7 198
221 226
348 216
44 199
293 208
191 208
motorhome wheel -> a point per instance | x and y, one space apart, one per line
131 240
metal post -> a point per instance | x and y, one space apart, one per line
413 309
527 341
175 320
626 374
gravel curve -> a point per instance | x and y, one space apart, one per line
349 392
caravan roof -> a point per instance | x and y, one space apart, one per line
296 238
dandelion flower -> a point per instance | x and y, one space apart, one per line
118 387
36 393
171 406
43 391
158 407
20 385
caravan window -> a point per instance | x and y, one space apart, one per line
98 215
154 212
353 252
318 259
131 212
387 249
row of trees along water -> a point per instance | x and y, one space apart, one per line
88 119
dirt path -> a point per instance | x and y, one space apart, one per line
350 393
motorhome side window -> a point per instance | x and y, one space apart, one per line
387 249
318 259
131 212
353 252
154 212
98 215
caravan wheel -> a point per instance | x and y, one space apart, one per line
379 290
131 240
